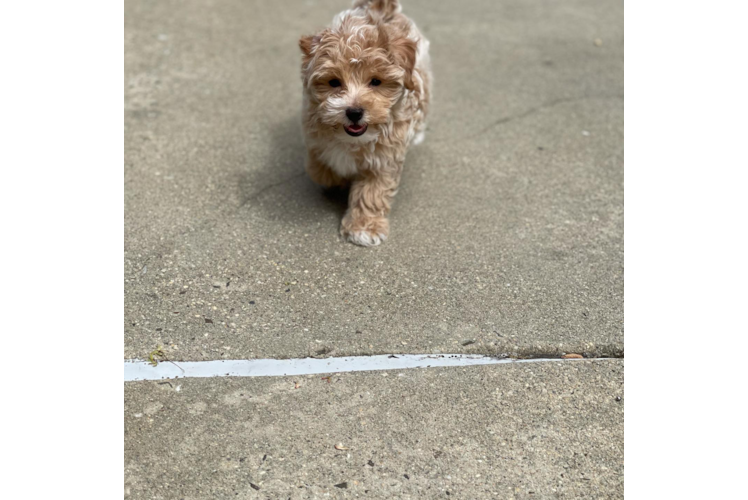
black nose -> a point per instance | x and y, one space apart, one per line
354 114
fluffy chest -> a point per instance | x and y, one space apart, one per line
341 159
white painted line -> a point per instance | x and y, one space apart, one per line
142 370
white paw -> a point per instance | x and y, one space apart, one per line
366 239
418 139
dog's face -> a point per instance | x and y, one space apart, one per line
354 73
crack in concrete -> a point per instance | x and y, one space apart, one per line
136 370
530 111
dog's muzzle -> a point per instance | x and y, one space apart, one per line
356 130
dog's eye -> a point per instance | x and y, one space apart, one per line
334 82
375 82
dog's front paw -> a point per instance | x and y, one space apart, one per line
365 238
366 232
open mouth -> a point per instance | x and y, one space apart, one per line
355 130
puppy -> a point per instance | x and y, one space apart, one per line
366 96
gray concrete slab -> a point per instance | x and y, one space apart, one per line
507 232
541 430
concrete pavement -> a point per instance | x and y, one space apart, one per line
508 229
541 430
507 239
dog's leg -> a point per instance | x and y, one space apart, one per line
322 174
365 223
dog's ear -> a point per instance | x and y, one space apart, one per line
307 43
404 51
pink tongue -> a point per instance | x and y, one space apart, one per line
355 128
